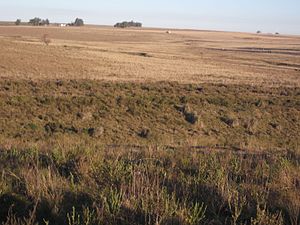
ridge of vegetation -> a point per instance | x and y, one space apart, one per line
169 114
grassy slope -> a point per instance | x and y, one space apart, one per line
57 166
157 113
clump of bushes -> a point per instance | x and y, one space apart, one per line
144 133
189 115
39 22
78 23
128 24
18 22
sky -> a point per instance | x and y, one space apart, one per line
268 16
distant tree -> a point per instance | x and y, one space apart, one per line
39 22
258 32
18 22
78 22
277 33
35 21
44 22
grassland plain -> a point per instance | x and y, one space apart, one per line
149 55
108 126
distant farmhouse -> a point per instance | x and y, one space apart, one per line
128 24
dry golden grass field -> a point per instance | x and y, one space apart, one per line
104 53
144 127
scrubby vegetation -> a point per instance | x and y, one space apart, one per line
92 152
97 185
171 114
46 40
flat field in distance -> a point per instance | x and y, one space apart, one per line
104 53
140 126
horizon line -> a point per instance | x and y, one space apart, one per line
162 27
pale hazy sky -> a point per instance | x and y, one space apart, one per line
233 15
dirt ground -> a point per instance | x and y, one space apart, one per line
149 55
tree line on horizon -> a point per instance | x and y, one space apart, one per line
36 21
125 24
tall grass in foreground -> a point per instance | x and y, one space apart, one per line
153 186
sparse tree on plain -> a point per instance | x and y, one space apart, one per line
45 22
18 22
35 21
39 22
78 22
